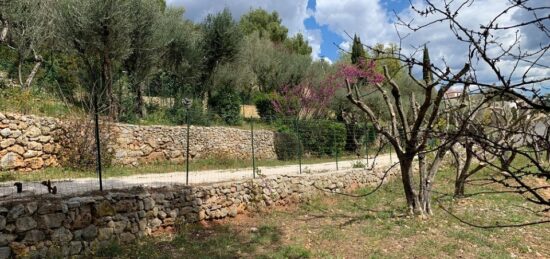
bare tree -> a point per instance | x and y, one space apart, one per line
409 133
505 62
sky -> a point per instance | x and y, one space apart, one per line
327 24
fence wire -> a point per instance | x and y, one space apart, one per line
300 146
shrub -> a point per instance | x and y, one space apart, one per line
79 146
264 105
322 137
287 145
227 104
197 116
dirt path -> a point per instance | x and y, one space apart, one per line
82 185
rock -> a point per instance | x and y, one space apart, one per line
52 220
35 146
75 247
124 206
5 132
7 142
48 148
62 235
49 208
104 209
148 203
105 233
15 134
11 161
16 212
5 252
5 239
32 153
154 223
33 132
34 236
127 237
82 220
25 223
31 207
35 163
20 250
2 222
89 233
44 139
17 149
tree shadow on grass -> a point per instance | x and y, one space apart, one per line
215 241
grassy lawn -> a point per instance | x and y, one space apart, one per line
370 227
196 165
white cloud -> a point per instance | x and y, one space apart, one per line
365 17
292 13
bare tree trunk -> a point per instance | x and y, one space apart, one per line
406 165
426 196
34 70
205 98
20 70
463 173
140 108
4 33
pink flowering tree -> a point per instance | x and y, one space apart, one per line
308 100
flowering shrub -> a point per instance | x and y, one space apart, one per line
307 100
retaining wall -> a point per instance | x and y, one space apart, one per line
47 226
29 143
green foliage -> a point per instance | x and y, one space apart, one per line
287 146
227 105
322 137
426 64
264 105
357 50
265 24
197 116
221 39
298 45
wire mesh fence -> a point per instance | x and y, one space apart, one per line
196 152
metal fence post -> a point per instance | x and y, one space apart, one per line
187 149
367 143
253 155
299 144
335 147
97 141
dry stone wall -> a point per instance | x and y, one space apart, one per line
46 227
135 145
29 143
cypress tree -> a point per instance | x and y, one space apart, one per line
357 51
426 73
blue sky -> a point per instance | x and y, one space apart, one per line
330 39
325 23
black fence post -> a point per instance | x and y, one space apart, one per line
335 147
299 144
367 138
97 140
253 155
187 149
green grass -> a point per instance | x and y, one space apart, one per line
374 226
157 168
32 102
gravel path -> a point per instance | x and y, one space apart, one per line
82 185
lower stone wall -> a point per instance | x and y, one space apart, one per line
46 226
